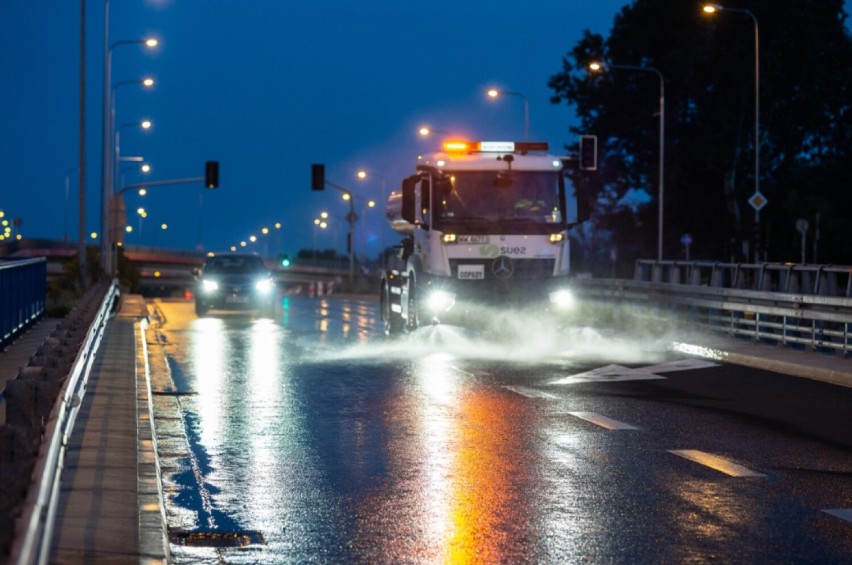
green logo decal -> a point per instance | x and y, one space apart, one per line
489 251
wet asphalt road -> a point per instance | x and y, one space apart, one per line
312 438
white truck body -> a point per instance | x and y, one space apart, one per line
486 222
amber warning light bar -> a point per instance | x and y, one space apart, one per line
455 146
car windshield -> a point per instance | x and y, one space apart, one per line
234 265
505 195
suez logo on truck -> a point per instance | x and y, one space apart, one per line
495 250
489 249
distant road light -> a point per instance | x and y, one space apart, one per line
146 124
164 226
149 82
93 235
152 42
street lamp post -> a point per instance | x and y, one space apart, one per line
145 125
661 191
364 174
495 93
107 261
712 9
68 174
106 131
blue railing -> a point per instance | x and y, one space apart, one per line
23 287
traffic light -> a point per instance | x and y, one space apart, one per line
211 174
588 153
284 260
317 176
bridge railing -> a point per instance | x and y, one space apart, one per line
805 305
23 288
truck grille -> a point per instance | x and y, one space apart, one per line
507 268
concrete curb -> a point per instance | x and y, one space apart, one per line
153 527
809 365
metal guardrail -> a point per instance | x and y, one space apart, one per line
806 305
23 287
32 545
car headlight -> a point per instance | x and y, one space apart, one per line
264 286
440 301
209 286
562 299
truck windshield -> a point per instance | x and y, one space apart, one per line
520 196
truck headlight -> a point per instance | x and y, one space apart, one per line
208 286
264 286
440 301
562 299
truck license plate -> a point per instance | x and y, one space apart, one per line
236 299
471 272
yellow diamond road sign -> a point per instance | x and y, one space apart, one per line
757 201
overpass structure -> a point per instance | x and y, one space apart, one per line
163 271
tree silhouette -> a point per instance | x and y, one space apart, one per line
708 66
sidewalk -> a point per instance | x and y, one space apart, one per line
110 507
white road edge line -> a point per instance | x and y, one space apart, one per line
715 462
603 421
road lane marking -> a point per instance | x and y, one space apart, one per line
842 513
715 462
680 365
530 392
608 373
603 421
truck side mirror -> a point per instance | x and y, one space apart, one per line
409 200
584 200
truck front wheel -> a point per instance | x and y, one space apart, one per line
391 321
413 320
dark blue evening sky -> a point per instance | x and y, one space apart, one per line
267 87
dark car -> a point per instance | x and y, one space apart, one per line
234 282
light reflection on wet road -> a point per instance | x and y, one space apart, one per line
334 445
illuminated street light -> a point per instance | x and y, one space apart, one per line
107 129
145 168
596 67
426 131
496 93
107 256
712 9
